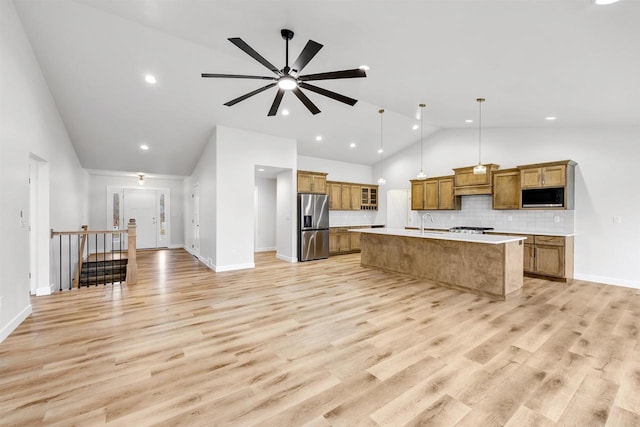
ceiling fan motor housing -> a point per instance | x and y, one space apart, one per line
286 34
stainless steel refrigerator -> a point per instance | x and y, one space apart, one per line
313 227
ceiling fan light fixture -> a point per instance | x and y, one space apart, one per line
287 83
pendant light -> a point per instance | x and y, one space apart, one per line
421 174
480 169
381 180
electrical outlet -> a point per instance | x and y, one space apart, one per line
510 218
617 220
556 218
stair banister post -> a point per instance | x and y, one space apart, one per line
132 264
76 279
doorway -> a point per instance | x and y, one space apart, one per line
151 209
37 220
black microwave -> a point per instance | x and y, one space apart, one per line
543 198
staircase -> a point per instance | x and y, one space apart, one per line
102 269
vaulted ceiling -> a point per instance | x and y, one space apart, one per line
529 58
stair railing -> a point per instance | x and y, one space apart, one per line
101 253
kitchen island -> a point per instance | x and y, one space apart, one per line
488 265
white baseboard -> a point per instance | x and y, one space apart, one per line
14 323
608 280
232 267
268 249
176 246
45 290
286 258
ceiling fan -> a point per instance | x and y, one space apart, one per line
289 78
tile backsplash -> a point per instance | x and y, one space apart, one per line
340 218
476 212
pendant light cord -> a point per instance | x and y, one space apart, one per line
381 147
421 143
480 101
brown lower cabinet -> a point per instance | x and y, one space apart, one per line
548 256
342 241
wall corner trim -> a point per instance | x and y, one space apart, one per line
286 258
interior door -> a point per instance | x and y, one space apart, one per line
141 205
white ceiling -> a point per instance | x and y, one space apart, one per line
529 59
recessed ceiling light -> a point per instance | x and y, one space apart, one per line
285 112
150 79
550 118
415 127
364 67
261 170
352 145
468 121
144 147
318 138
604 2
380 150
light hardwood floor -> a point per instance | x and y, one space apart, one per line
317 344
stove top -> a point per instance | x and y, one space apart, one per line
470 230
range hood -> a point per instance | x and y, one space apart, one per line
466 183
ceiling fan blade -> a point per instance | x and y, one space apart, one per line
276 103
310 50
306 101
255 55
236 76
248 95
344 74
330 94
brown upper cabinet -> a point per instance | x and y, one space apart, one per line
544 176
335 195
506 189
369 197
312 182
347 196
433 194
467 183
557 177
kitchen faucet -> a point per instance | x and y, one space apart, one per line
422 221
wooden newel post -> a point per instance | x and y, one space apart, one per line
132 264
76 279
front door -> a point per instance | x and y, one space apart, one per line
141 205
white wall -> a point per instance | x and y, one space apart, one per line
605 184
226 176
30 125
337 171
204 176
286 214
99 181
265 214
238 152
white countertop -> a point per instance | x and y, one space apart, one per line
530 233
442 235
537 233
355 225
